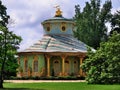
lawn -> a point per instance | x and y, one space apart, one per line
58 86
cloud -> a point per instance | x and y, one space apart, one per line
28 15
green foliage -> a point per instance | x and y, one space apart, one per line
103 65
91 22
3 15
9 43
46 78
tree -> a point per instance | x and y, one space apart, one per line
3 15
115 22
103 66
9 43
91 22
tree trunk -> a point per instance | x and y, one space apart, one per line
1 82
3 62
1 75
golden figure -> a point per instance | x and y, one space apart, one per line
58 11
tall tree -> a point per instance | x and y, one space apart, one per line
115 22
103 66
9 43
91 22
3 15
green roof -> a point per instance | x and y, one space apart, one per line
58 43
58 19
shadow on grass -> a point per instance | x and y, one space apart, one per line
21 89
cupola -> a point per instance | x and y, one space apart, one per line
58 24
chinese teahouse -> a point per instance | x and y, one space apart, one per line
58 53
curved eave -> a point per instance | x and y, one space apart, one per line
55 53
52 52
60 19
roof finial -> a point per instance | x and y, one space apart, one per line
58 11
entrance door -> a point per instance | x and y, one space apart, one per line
76 70
56 67
67 67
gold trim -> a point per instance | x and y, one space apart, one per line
81 60
58 12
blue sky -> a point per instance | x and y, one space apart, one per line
27 16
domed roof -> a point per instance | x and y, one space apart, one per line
58 19
58 43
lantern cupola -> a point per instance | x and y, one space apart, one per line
58 24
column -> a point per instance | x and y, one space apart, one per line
48 66
81 72
63 65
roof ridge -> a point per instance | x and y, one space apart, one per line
48 43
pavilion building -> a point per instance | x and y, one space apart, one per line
58 53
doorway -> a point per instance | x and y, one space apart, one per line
76 68
56 67
67 67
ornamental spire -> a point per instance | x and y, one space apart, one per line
58 11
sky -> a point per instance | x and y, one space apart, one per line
27 15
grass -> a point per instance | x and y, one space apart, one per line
58 86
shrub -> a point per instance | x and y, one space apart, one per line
103 66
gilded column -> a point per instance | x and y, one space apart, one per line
63 65
48 66
81 72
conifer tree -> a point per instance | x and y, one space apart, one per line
90 23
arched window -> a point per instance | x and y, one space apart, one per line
26 65
35 65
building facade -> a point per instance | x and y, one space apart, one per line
58 53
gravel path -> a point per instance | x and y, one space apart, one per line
40 81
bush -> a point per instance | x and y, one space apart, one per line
103 66
47 78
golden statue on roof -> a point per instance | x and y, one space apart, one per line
58 11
